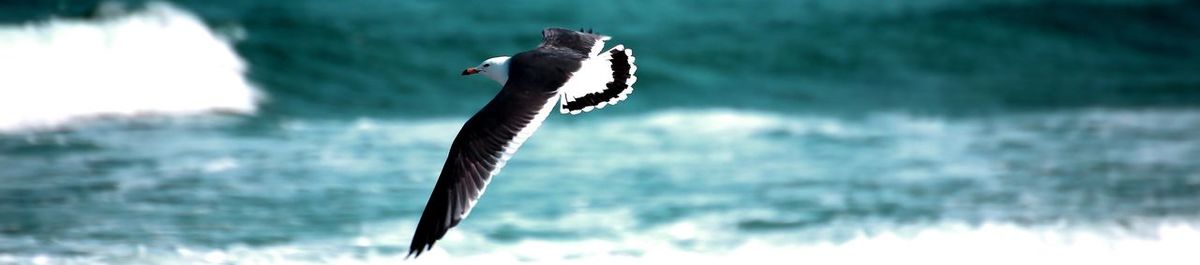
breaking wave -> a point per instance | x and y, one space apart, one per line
1161 243
159 60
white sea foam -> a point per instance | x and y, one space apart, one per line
948 244
1164 243
594 228
159 60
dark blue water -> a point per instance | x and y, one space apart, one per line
1001 131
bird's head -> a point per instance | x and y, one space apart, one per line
495 68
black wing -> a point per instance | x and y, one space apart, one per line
585 43
486 141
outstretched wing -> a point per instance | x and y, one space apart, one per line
488 140
603 80
585 43
596 79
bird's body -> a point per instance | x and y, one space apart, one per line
567 70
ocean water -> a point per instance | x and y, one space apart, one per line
773 132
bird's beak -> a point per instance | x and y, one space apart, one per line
470 71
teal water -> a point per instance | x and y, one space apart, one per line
802 130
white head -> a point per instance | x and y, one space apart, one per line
495 68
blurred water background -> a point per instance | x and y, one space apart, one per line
778 132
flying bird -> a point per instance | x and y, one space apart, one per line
569 69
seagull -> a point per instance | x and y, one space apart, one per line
568 69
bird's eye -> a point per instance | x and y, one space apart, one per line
487 64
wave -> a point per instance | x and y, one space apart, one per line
159 60
325 60
1051 187
995 243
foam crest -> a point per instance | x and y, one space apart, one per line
159 60
948 244
740 123
1165 243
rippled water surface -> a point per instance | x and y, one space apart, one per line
311 132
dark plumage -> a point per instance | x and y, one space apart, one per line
478 151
